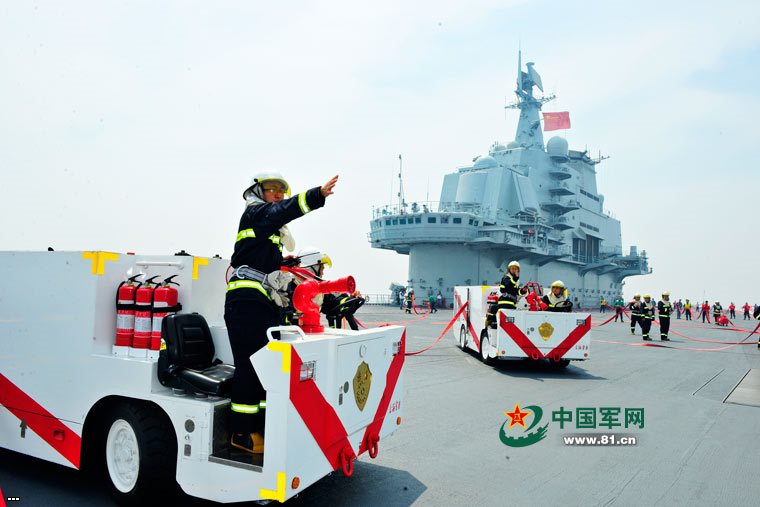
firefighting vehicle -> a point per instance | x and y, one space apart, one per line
524 333
122 363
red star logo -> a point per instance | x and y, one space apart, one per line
517 416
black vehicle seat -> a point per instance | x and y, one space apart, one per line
188 361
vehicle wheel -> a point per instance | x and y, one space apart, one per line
485 347
140 454
463 337
562 363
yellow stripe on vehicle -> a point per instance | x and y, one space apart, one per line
279 493
99 260
285 349
198 261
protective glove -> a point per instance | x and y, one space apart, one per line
277 286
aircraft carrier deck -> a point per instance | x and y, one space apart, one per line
699 444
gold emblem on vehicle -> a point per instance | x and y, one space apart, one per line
545 330
362 383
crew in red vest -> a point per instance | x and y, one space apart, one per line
746 309
705 311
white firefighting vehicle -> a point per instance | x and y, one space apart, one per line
152 412
521 333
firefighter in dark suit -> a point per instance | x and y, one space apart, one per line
556 300
664 309
635 307
256 292
510 287
647 316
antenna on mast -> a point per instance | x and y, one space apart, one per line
401 201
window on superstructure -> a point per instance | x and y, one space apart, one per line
403 221
395 221
431 220
417 220
457 220
444 220
387 222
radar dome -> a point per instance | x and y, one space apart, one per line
557 147
485 161
513 145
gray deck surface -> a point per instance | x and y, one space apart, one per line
695 449
747 392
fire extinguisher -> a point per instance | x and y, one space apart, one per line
165 302
125 311
143 310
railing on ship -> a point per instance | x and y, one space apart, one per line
432 207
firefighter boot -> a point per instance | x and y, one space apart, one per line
249 442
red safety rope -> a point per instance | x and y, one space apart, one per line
443 333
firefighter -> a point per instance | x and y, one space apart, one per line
717 310
314 261
510 287
732 310
664 309
409 300
746 309
646 316
556 300
255 292
687 310
635 307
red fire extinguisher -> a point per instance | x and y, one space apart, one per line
165 302
143 310
125 311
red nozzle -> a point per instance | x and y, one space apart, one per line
305 292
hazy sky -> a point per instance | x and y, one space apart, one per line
135 126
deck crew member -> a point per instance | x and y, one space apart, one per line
510 287
619 305
717 310
705 311
687 310
746 309
635 307
255 292
409 300
664 309
647 316
732 310
556 300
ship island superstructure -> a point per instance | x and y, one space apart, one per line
527 201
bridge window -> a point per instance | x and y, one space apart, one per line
387 222
395 221
417 220
431 220
457 220
403 221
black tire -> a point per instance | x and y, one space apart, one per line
463 337
485 345
138 453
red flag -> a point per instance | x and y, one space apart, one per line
556 121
